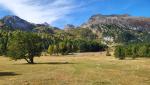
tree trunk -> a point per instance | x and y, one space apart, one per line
27 60
30 60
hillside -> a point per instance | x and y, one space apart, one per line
125 21
15 22
122 28
107 28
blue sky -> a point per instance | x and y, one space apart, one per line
61 12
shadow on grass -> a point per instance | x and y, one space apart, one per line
56 63
8 74
50 63
132 59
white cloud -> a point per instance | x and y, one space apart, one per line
37 11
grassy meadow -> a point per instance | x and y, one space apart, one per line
77 69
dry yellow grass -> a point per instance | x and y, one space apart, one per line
78 69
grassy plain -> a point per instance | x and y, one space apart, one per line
77 69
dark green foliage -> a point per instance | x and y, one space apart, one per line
43 29
128 51
83 33
134 50
145 37
144 50
70 46
64 48
121 34
120 52
24 45
46 40
126 37
87 34
89 45
4 37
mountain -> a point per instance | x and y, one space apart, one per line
69 27
15 22
106 28
43 24
125 21
119 28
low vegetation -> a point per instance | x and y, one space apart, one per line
133 51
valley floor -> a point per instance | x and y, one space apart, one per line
77 69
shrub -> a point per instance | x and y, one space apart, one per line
120 52
51 49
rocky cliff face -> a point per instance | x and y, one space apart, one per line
15 22
126 21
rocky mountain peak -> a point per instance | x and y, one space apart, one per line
124 20
15 22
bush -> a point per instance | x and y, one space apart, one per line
51 49
134 52
120 52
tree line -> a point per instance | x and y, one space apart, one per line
27 45
132 50
72 46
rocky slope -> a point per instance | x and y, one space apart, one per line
119 28
15 22
125 21
109 28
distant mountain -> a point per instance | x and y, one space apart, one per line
125 21
15 22
119 28
69 27
107 28
43 24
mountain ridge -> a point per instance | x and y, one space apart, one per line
108 28
125 20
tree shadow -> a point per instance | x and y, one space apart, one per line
8 74
50 63
56 63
